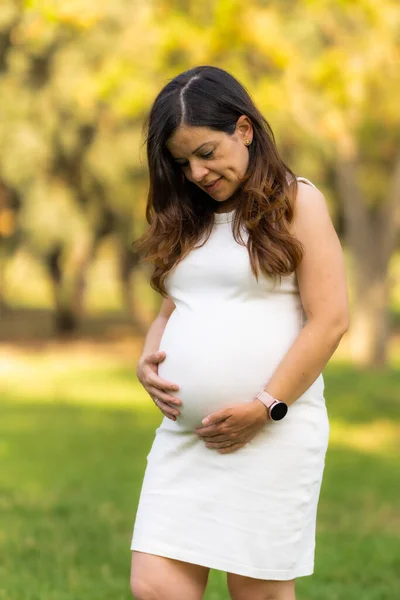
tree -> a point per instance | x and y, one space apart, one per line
77 80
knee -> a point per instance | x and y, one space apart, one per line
142 589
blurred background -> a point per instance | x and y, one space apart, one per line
76 80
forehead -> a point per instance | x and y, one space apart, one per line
186 139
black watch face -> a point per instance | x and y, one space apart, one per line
279 411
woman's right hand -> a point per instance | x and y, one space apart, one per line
155 386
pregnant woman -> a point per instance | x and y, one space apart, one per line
255 303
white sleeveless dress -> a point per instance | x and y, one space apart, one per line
252 511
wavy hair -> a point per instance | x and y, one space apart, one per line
180 214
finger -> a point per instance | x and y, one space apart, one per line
172 418
216 417
232 448
168 416
211 431
166 409
156 381
224 444
213 439
155 391
163 384
155 357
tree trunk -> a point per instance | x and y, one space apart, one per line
4 308
370 237
128 262
369 332
84 253
65 321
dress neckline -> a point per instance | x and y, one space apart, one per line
226 217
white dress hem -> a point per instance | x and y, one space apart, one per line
224 565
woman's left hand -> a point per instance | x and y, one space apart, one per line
229 429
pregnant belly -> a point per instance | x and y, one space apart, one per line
223 360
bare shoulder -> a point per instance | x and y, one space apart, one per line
321 274
312 223
310 205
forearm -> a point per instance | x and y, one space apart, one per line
304 361
154 335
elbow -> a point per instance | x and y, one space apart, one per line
336 325
341 324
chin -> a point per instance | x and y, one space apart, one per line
224 198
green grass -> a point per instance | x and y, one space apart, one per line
73 442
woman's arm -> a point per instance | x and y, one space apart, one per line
156 330
147 367
323 289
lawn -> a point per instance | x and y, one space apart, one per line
75 429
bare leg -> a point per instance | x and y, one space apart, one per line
243 588
158 578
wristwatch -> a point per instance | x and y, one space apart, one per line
276 409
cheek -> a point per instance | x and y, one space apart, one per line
239 162
243 163
237 168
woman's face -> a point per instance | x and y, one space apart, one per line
206 156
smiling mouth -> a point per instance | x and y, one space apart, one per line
211 185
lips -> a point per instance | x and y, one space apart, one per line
212 183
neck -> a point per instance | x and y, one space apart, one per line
227 205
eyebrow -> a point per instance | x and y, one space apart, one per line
197 149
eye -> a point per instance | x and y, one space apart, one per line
208 155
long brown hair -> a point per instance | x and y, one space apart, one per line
180 213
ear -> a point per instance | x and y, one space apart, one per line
244 128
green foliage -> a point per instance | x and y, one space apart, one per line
77 79
321 71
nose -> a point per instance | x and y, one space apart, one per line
198 172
